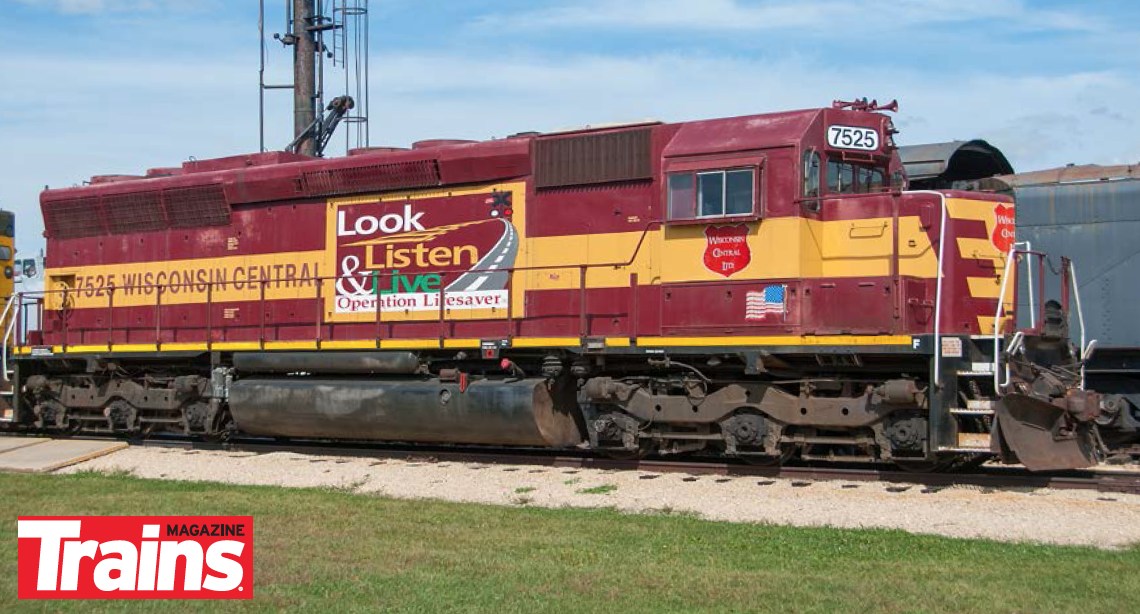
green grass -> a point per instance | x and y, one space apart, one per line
371 554
597 490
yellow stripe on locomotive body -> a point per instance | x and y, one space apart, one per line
234 278
821 341
796 247
991 250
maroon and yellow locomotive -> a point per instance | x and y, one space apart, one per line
755 287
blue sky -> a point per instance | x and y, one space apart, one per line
118 86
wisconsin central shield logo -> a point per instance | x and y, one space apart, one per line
727 252
1004 228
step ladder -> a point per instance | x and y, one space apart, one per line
972 442
983 407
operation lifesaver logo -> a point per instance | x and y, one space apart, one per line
135 557
395 256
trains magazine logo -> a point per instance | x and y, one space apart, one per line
404 256
727 252
1004 228
135 557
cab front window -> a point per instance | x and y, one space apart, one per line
853 178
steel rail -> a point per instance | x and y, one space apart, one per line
989 477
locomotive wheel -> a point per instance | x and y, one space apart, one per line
223 428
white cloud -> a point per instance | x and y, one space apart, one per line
66 118
871 20
92 7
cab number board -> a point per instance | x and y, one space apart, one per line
853 137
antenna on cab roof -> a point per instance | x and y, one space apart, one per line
862 104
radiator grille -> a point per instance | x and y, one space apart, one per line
593 158
90 216
197 206
376 177
74 218
137 212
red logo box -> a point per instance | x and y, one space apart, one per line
135 557
1005 226
727 252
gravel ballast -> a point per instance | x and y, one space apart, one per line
1074 517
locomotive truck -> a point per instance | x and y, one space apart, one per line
752 287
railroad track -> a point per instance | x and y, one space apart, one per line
984 477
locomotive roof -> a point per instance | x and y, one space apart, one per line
702 136
203 191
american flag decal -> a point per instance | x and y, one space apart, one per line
758 304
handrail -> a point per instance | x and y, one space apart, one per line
1086 347
9 328
1080 312
259 285
8 306
1010 260
887 191
937 377
1029 286
1012 348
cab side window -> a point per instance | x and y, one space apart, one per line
712 194
682 196
811 174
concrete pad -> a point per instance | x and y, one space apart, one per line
9 443
54 454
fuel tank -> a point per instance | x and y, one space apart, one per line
344 363
521 412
